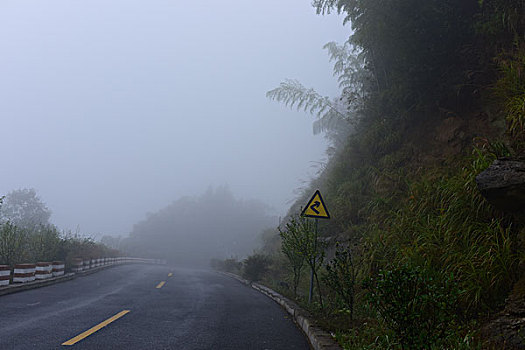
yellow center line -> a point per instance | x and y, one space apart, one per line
92 330
159 286
170 274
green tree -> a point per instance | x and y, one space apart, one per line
313 250
418 52
301 242
111 241
24 209
292 243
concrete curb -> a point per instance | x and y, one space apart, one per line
319 339
13 288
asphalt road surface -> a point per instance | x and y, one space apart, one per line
128 307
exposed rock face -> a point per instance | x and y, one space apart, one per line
507 329
503 184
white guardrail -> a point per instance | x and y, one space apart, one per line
23 273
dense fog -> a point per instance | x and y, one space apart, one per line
112 110
193 230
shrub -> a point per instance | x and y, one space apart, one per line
227 265
12 244
44 243
340 277
255 266
417 305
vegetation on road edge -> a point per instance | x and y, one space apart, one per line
432 93
26 237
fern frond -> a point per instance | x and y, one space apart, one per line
337 117
324 6
328 121
349 65
293 94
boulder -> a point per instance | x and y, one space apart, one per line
503 184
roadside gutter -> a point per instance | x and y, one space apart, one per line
319 339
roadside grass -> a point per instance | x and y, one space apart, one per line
440 224
445 225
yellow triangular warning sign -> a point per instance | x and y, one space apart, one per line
316 207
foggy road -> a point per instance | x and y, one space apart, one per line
146 307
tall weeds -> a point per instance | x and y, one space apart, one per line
445 225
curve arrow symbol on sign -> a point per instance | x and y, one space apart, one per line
315 206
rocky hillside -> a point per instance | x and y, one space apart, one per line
427 185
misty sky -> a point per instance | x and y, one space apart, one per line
114 108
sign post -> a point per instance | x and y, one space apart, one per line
315 209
